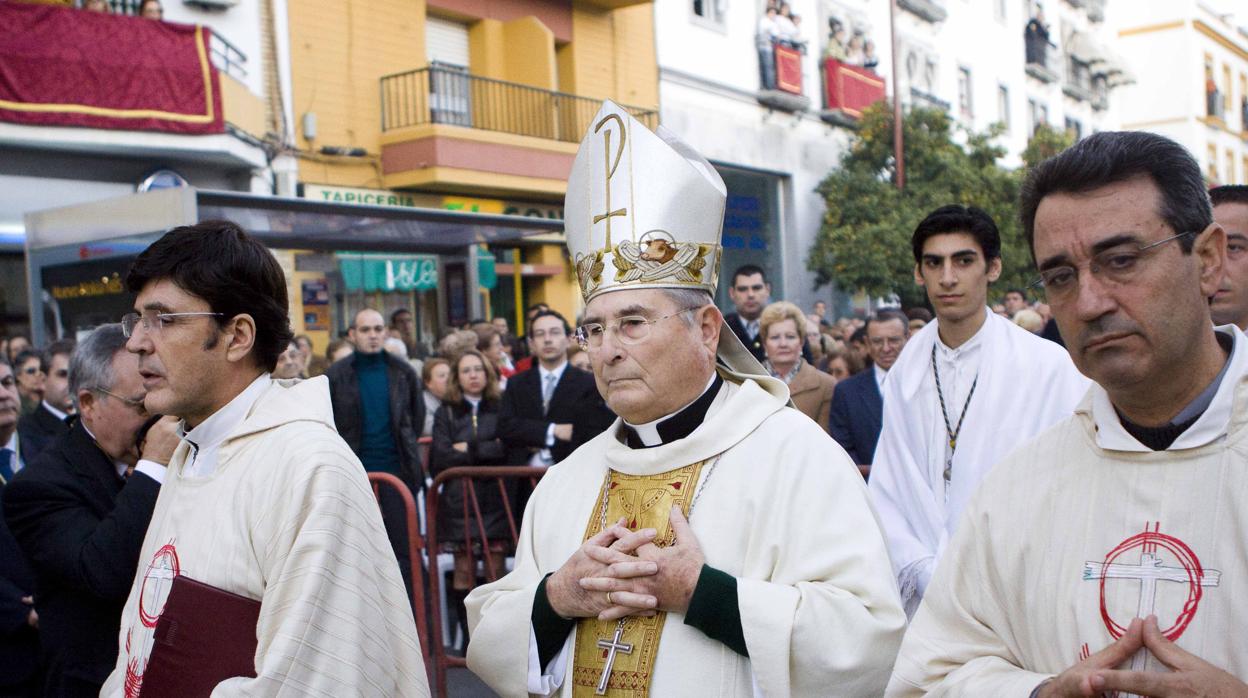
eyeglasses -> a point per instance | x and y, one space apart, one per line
629 330
881 342
154 321
1117 265
130 402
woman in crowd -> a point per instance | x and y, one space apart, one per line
30 378
338 349
465 433
490 343
783 328
151 9
289 362
841 363
435 375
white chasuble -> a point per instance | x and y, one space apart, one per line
1077 533
783 510
287 517
1022 384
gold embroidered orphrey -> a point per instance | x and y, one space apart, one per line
646 502
656 257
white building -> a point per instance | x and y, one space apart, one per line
771 158
1191 61
966 56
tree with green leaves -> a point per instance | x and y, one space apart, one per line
864 243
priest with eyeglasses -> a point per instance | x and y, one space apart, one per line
713 540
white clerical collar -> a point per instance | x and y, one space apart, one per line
879 375
557 371
967 347
649 432
1211 426
206 437
55 412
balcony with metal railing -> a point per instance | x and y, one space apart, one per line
449 95
443 127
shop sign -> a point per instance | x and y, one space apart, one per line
385 272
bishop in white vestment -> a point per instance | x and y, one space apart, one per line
1022 384
795 595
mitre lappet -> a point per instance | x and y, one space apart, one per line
644 210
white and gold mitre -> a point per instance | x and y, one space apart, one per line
643 209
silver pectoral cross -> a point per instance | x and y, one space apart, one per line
612 646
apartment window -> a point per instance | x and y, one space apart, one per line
1003 105
1074 128
964 93
1213 163
1226 89
712 11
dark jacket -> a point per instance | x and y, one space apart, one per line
407 411
455 423
37 430
81 526
19 643
737 325
857 415
575 401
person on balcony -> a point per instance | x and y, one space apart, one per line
767 32
856 54
151 9
836 41
97 6
870 60
1036 38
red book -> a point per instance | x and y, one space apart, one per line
204 636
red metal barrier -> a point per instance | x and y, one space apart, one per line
474 529
415 545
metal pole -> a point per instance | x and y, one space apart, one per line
898 143
516 264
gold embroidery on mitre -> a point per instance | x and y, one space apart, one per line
589 269
657 257
645 501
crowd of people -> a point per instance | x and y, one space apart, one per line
1011 469
857 49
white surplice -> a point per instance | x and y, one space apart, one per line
1023 384
1077 533
285 516
783 510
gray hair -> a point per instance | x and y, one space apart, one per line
687 298
91 365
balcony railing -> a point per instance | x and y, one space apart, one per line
227 57
849 88
1042 60
443 95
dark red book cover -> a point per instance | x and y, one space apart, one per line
204 636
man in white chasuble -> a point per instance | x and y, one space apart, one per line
713 541
1108 556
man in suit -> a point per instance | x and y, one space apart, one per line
857 408
551 409
750 293
50 419
19 622
80 520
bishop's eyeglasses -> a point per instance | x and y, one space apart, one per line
1117 265
153 321
629 330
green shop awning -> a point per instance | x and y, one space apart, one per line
368 272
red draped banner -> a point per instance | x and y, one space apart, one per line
65 67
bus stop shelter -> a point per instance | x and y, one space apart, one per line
337 257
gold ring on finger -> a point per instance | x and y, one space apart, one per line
609 601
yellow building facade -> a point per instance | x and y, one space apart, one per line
465 105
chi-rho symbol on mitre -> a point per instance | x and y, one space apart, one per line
645 205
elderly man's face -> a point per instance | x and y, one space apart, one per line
664 372
10 400
1127 334
115 419
1230 303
